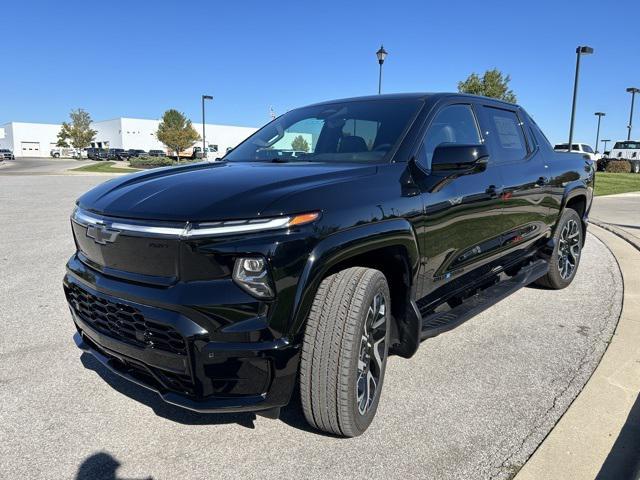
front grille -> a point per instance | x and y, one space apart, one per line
124 322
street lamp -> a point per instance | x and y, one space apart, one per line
604 147
599 115
579 52
381 54
204 97
632 91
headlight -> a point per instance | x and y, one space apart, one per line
252 275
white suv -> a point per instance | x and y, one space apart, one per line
627 150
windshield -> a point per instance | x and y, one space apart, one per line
357 131
627 145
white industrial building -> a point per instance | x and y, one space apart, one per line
37 139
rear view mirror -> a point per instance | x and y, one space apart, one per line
455 156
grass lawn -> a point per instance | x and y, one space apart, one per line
105 167
610 183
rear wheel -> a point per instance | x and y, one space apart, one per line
566 254
635 168
345 349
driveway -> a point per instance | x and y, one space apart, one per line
622 211
40 166
472 403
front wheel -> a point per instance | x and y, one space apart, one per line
565 258
344 354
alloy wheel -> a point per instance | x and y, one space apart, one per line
372 354
569 249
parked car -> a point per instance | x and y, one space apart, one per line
117 154
581 148
157 153
220 285
96 153
6 154
63 152
627 150
137 153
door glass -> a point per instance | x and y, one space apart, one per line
452 124
509 142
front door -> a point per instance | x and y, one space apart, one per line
462 223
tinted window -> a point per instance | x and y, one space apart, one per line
452 124
358 131
508 137
587 148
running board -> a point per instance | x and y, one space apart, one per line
441 322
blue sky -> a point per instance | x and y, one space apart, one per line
138 58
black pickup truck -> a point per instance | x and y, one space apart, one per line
222 286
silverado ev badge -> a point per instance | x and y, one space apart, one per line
101 234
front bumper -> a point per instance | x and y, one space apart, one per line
167 352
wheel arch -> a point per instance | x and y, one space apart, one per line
578 199
389 246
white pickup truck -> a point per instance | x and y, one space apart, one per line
582 148
627 150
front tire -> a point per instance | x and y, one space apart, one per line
344 354
565 258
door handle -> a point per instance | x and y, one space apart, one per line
542 181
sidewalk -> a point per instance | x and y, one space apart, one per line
622 212
599 435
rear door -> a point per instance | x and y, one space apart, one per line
525 207
462 226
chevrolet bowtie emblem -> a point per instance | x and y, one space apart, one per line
101 234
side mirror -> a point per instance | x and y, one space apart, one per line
454 156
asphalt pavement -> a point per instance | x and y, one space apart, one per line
40 166
472 403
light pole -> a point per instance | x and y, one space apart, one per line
632 91
579 52
599 115
204 150
604 147
381 54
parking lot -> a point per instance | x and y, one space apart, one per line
472 403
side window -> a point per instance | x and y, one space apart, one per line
587 148
452 124
507 133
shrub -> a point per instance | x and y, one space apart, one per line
150 162
618 166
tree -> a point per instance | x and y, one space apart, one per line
492 84
78 132
176 132
300 144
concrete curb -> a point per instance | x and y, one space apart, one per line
617 231
592 438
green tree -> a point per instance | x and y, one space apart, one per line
492 84
300 144
78 132
176 132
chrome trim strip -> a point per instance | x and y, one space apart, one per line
189 230
249 226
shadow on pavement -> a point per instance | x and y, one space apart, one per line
623 461
100 466
292 414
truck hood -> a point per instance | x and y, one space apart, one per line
213 191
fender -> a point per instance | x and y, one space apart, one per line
348 243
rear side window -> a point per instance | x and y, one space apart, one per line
453 124
508 137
